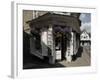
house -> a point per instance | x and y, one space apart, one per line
85 39
54 36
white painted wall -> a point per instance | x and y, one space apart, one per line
44 43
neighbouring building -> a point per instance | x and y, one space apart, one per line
55 36
85 39
27 15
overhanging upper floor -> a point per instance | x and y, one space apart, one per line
56 19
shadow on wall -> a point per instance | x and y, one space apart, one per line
26 46
78 54
32 62
80 50
26 43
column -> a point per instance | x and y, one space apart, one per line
69 52
50 43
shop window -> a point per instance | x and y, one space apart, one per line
58 43
38 42
37 39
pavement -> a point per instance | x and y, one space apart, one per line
84 60
33 62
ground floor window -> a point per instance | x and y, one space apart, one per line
37 39
58 43
38 42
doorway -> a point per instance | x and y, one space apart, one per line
60 43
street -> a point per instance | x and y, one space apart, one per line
84 60
32 62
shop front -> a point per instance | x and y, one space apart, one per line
54 36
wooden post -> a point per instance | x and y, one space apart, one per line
69 52
50 43
71 43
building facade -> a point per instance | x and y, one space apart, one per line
55 36
85 39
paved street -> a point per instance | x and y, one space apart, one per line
32 62
80 61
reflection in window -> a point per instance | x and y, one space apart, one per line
58 43
37 39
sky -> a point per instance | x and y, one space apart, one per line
85 22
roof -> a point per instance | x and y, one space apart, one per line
56 19
84 36
84 31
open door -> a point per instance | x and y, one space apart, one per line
58 47
60 42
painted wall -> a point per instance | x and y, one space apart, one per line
44 43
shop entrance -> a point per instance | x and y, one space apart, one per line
60 43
